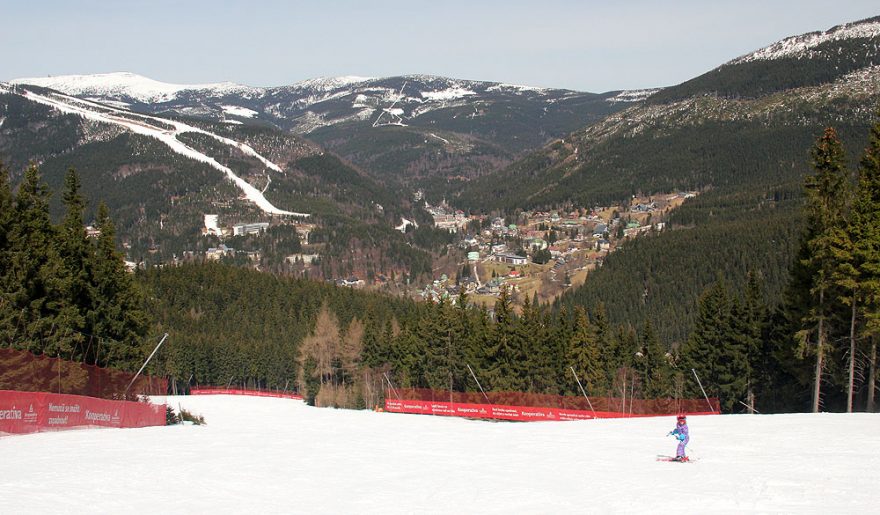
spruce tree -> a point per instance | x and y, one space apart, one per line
864 233
374 353
117 316
714 352
584 353
7 219
826 193
38 281
750 327
77 254
657 371
608 345
507 359
539 363
561 333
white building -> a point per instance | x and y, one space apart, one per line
255 228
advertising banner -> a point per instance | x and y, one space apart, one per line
29 412
239 391
500 412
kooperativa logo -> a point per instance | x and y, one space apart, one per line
10 414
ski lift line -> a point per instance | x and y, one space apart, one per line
703 390
583 391
389 108
478 382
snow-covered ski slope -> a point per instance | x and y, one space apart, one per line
165 131
264 455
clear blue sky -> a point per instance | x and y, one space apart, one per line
585 45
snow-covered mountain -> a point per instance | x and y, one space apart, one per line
125 86
308 105
407 128
807 60
806 45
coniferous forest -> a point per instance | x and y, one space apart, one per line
812 347
65 294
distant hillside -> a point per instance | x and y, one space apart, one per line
699 142
746 148
161 176
411 129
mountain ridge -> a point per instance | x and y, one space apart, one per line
414 130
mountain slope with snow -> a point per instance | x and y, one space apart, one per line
333 99
383 125
276 455
129 86
159 129
807 60
805 45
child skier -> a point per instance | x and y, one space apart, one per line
681 433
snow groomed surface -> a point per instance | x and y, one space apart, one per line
268 455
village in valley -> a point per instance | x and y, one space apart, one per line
534 254
537 254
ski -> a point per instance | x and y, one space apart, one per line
662 457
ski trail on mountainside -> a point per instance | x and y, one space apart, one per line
128 120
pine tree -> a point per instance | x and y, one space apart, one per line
507 359
7 219
374 352
657 371
117 316
864 232
561 332
749 325
714 351
608 345
77 254
311 380
38 280
826 193
584 353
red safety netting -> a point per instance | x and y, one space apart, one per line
24 372
514 405
219 390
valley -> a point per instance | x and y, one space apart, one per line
555 207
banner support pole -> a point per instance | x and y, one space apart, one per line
583 391
703 390
145 364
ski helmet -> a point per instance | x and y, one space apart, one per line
682 418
